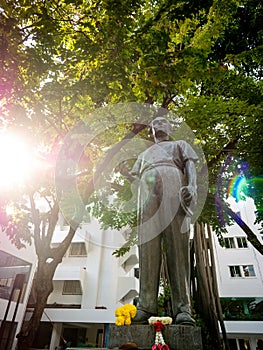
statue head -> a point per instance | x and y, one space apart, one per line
160 127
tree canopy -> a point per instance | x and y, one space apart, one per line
61 60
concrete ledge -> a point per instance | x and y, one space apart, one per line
177 337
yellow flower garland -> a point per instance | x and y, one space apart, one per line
124 314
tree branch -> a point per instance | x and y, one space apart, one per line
36 222
226 148
52 222
60 251
251 236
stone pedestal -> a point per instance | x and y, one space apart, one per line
177 337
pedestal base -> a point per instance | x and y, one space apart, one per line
177 337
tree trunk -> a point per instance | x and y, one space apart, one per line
48 260
42 288
215 289
205 303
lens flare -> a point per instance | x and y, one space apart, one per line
15 161
238 187
241 185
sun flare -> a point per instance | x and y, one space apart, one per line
15 161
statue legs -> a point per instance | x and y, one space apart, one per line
176 245
150 265
178 266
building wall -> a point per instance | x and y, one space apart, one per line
28 256
106 283
99 272
100 275
240 288
225 257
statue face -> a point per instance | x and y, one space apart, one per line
161 125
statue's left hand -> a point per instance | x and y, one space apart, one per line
188 199
188 195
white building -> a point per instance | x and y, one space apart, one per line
239 269
17 269
89 285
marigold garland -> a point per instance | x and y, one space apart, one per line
124 314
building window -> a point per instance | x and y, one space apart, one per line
235 271
235 242
229 242
248 271
77 249
72 288
241 242
242 271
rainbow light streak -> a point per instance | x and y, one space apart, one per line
238 187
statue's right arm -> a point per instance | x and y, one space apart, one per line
132 174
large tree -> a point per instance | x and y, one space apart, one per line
60 60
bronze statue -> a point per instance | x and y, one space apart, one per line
167 192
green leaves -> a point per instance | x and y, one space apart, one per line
202 60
